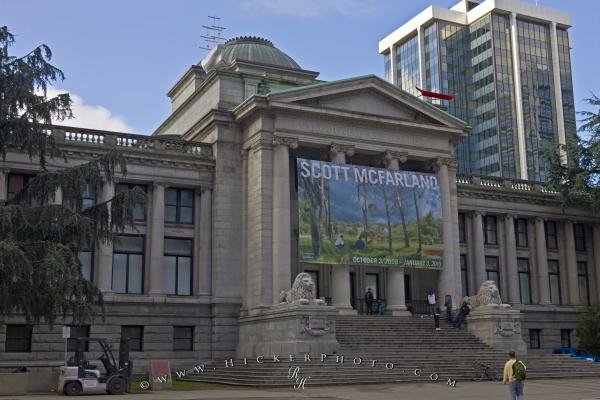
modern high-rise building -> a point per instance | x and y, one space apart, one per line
507 63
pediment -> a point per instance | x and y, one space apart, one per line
369 96
369 102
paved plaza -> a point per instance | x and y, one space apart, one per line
555 389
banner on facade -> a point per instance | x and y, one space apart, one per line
355 215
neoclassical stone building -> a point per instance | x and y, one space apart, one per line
218 240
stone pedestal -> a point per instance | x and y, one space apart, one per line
498 327
289 329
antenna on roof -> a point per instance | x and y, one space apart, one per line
212 37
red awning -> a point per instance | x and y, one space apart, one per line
435 95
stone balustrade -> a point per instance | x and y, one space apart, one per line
503 183
92 137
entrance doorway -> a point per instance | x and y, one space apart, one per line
407 289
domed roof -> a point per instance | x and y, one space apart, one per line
248 48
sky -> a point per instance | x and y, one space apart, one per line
120 57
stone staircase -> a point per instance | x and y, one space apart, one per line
405 349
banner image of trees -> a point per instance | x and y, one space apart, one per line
359 215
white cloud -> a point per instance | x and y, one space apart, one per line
91 116
312 8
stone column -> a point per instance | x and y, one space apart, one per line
571 264
542 262
447 277
395 277
478 247
204 231
514 296
105 250
282 241
341 273
560 120
596 246
3 183
157 238
516 62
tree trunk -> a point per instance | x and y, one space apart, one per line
402 218
418 221
389 222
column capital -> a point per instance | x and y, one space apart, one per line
474 213
204 189
162 184
509 216
389 155
4 170
336 148
449 162
292 143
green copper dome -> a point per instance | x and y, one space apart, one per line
248 48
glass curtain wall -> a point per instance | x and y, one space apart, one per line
538 92
407 61
566 82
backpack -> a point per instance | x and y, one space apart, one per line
519 370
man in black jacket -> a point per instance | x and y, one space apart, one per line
369 301
462 314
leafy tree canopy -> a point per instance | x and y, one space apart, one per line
578 179
40 271
588 331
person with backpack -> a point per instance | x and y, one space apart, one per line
514 375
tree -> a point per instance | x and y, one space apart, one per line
577 178
40 272
588 331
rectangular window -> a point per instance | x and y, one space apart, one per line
579 232
86 258
183 338
88 196
565 337
524 280
584 290
18 339
464 274
491 235
16 183
315 277
78 332
178 266
521 232
462 234
492 269
139 211
128 264
551 236
179 206
554 276
534 338
134 334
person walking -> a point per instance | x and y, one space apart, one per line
448 305
431 301
514 376
369 301
462 313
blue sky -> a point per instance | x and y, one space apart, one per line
121 57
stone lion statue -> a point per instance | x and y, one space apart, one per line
302 291
488 294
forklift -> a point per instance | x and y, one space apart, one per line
79 376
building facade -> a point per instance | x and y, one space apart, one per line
508 65
219 238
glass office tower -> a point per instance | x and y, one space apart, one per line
509 69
